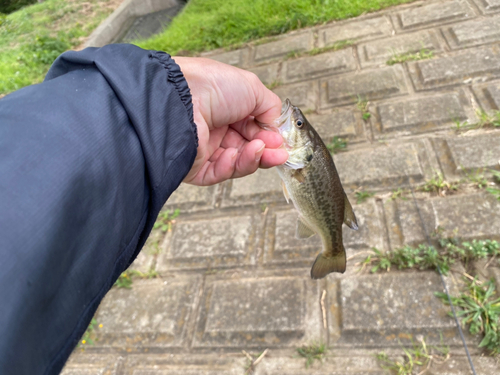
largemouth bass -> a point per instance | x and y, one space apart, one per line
311 182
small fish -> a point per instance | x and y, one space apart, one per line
311 182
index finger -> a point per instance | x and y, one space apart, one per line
267 103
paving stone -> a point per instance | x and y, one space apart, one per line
268 74
473 33
481 151
422 114
315 66
209 243
237 57
145 260
192 364
303 94
348 88
362 29
340 123
282 247
463 67
154 313
379 168
488 95
352 365
261 187
473 216
91 364
460 366
383 310
280 48
259 312
191 198
378 52
433 13
488 6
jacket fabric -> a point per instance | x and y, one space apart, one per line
87 160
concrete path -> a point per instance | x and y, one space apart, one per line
232 276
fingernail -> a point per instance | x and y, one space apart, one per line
259 153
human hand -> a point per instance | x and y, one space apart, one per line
227 102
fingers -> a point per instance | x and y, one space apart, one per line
249 130
267 103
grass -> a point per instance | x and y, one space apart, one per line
362 196
208 24
165 220
337 145
479 309
439 185
495 190
32 37
486 120
312 352
399 193
424 257
419 355
362 105
88 336
423 54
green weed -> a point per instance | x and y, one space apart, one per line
480 310
273 85
337 145
362 105
361 196
495 190
312 352
165 220
477 179
423 54
399 193
124 281
438 185
419 355
486 120
88 336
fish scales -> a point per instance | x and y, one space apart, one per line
312 183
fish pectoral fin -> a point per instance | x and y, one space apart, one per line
349 218
303 230
325 264
285 192
298 174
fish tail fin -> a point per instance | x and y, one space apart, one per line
325 264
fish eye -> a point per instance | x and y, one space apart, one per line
299 123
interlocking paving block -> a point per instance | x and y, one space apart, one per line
460 366
383 310
91 364
473 33
263 186
348 88
433 13
488 95
280 48
349 364
422 114
237 57
329 63
340 123
378 52
363 29
259 312
481 151
190 198
209 243
154 313
191 364
145 260
463 67
489 6
380 168
303 94
472 216
267 73
283 247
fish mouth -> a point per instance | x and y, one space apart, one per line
286 112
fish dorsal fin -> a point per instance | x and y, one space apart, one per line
285 192
349 218
303 230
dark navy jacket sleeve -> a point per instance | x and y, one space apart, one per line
87 159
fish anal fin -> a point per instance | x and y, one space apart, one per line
328 263
285 192
349 217
302 230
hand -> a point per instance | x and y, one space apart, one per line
227 102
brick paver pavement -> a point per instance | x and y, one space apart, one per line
232 276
